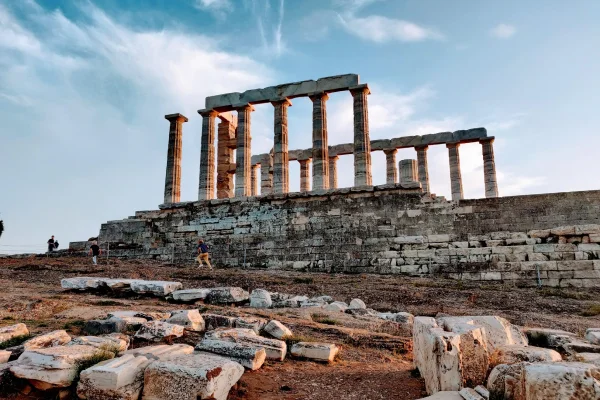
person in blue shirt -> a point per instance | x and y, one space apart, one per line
203 254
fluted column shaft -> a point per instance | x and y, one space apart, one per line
281 175
423 167
408 171
173 173
254 180
266 175
333 179
243 154
489 167
391 173
320 150
304 175
362 142
225 147
455 175
206 186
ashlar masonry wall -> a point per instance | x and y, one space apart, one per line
549 239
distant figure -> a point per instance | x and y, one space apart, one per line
95 252
51 244
203 254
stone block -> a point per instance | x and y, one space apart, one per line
445 395
409 239
162 351
112 342
336 306
498 331
250 356
159 330
563 230
512 354
315 351
470 394
253 323
227 295
593 335
12 331
191 320
104 326
588 247
260 298
275 349
540 233
587 229
190 295
82 283
576 265
214 321
157 288
277 330
50 339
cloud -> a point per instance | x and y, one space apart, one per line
219 8
381 29
503 31
271 33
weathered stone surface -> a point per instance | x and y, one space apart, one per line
108 342
545 337
189 319
357 303
256 324
250 356
120 378
401 317
339 306
190 295
589 358
470 394
104 326
275 349
446 395
483 392
4 356
50 339
159 330
161 352
52 367
512 354
499 331
315 351
593 335
226 295
214 321
131 322
11 331
82 283
260 298
157 288
193 376
277 330
118 284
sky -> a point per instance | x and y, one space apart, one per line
85 85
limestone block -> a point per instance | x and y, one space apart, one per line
357 303
11 331
593 335
104 326
589 358
446 395
587 229
161 352
483 392
512 354
401 317
189 319
82 283
250 356
50 339
498 331
131 322
256 324
157 288
214 321
118 284
260 298
190 295
545 337
339 306
226 295
4 356
541 233
120 378
505 382
470 394
52 367
107 342
192 376
275 349
409 239
277 330
563 230
315 351
323 299
159 330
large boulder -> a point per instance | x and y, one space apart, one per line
121 378
190 295
12 331
275 349
162 351
498 331
157 288
250 356
512 354
192 376
227 295
338 306
159 330
260 298
315 351
191 320
277 330
357 303
50 339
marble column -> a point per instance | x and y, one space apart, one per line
225 147
281 175
489 167
243 153
333 183
304 175
320 150
266 175
455 176
408 171
254 180
173 175
391 172
362 142
423 168
206 187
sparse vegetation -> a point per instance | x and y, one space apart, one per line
557 292
592 311
303 280
105 352
74 326
107 303
15 341
292 340
324 319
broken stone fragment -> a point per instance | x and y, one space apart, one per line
315 351
12 331
103 326
321 299
338 306
357 304
589 358
157 288
50 339
275 349
227 295
82 283
401 317
470 394
498 331
153 315
260 298
192 376
512 354
190 295
545 337
108 343
54 367
159 330
277 330
256 324
593 335
214 321
483 392
131 322
448 395
162 351
287 303
4 356
120 378
189 319
118 285
250 356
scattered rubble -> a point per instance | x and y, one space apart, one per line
189 319
227 295
190 295
275 349
104 326
249 355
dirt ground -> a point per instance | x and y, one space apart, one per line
375 361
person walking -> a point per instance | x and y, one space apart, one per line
51 244
203 254
95 251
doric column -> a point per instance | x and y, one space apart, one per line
455 176
225 147
423 168
281 175
390 166
266 174
408 171
254 180
243 154
173 176
333 184
362 142
320 150
304 175
206 187
489 167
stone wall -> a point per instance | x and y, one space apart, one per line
525 240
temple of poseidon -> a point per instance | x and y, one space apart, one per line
395 228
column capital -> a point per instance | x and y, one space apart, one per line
228 116
335 157
323 96
453 144
489 139
243 107
208 113
363 88
281 102
422 147
176 117
305 161
390 151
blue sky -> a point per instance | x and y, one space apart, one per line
84 86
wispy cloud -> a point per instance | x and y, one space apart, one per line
503 31
219 8
381 29
271 33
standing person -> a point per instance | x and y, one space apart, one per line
203 254
51 244
95 252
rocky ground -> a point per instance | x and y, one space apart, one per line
375 362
